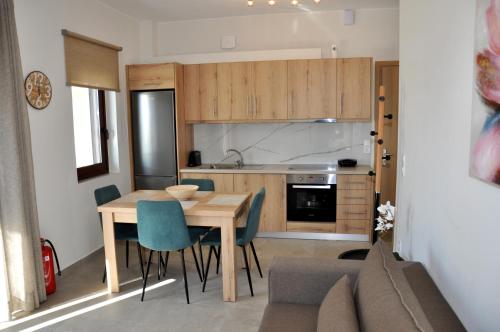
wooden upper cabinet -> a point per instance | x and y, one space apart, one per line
312 89
192 92
235 83
200 91
270 90
151 76
354 89
208 79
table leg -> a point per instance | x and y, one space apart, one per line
110 252
229 276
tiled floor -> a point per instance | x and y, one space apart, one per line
82 304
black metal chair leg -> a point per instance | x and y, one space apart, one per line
200 248
185 276
139 253
248 269
166 263
218 259
205 277
146 277
126 253
256 259
104 275
196 262
159 264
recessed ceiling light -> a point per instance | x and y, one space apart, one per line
250 2
317 1
271 2
295 2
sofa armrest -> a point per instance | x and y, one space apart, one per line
300 280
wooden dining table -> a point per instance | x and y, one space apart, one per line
213 209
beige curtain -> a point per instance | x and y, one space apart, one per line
21 278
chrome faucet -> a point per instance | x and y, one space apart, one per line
239 163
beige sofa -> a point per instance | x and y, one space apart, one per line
388 295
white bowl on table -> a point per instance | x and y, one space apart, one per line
182 192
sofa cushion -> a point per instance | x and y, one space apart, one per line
384 300
289 317
337 313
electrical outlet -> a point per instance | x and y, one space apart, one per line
366 146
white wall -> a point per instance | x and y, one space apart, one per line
374 34
446 219
67 210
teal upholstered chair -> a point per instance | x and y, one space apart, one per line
203 185
162 227
125 232
244 236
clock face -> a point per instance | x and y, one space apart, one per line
38 90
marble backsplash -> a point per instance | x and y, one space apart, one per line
288 143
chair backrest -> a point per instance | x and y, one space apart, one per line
105 195
161 225
204 184
254 216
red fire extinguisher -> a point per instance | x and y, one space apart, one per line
48 265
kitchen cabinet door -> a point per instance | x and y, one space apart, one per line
312 89
270 90
207 89
354 89
192 93
272 217
151 77
235 90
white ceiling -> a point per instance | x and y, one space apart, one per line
175 10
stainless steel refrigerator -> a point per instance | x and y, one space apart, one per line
153 131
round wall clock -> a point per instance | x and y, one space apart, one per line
38 90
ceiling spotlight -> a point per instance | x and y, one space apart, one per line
271 2
317 1
250 2
295 2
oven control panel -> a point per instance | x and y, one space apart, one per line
311 178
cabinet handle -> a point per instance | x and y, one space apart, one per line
216 106
292 103
341 103
255 106
355 213
213 107
151 83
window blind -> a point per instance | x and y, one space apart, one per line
90 63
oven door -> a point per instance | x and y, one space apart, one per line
311 202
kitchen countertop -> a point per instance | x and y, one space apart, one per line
281 169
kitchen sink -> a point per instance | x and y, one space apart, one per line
232 166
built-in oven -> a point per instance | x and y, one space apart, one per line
312 197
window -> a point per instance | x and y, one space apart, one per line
91 134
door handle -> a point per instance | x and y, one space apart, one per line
295 186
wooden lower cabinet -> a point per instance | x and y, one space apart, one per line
273 213
272 218
354 204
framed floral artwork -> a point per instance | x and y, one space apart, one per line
485 147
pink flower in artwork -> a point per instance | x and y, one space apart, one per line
493 22
488 76
486 152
